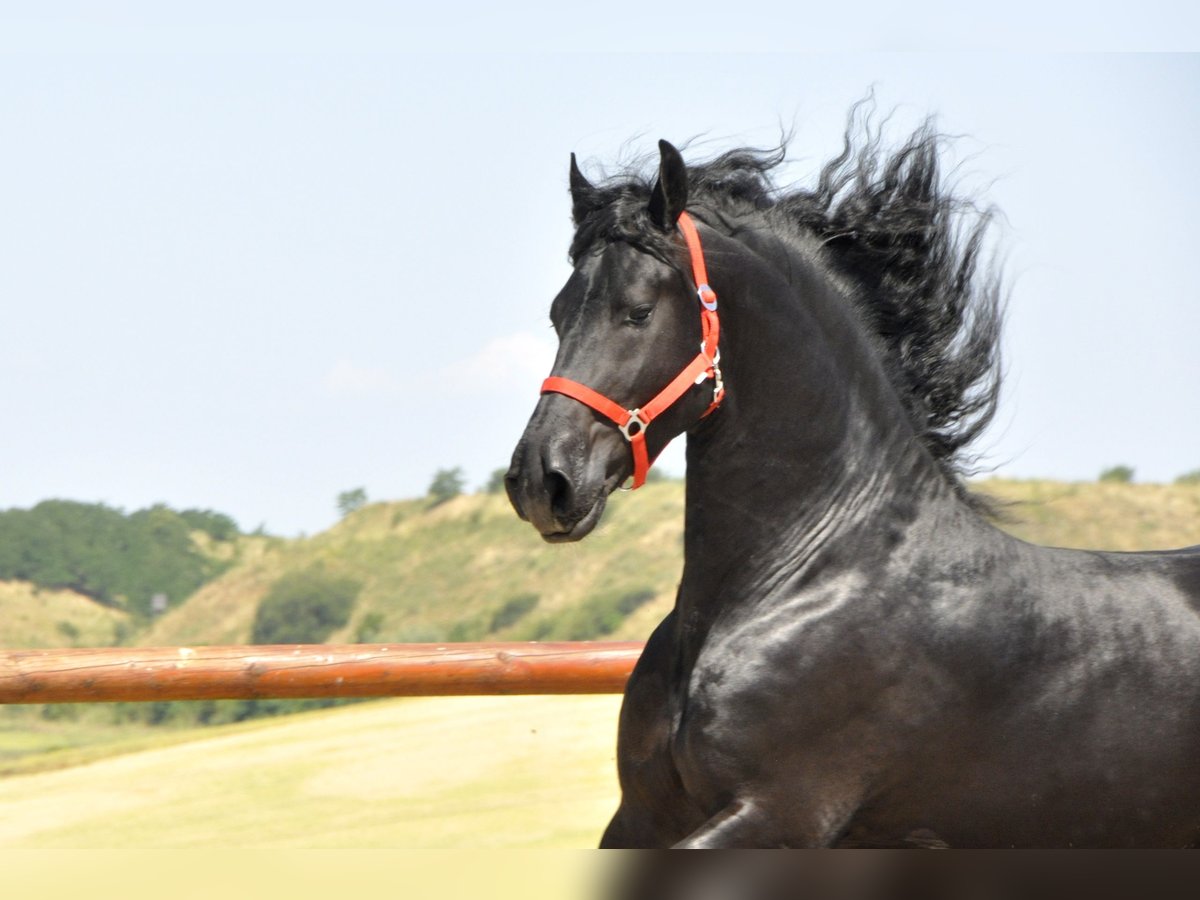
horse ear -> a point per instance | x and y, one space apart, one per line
583 195
668 197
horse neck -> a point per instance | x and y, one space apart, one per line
812 446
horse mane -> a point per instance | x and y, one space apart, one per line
905 243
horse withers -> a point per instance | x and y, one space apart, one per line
856 656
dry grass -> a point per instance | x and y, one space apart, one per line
35 617
470 772
1101 516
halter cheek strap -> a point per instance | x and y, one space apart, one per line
633 423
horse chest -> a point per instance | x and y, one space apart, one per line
792 701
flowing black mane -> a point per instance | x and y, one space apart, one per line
906 245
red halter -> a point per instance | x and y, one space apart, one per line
634 422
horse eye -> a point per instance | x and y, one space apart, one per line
639 315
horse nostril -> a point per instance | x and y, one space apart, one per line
558 489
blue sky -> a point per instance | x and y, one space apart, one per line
249 264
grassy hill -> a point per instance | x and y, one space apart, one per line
35 617
446 772
449 572
468 569
1100 515
435 573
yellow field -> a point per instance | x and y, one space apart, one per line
461 772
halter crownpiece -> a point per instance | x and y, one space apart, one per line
633 423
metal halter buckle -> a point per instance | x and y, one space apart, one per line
715 364
708 297
635 418
718 380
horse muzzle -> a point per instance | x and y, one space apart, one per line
561 476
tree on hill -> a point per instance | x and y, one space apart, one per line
447 484
217 526
1192 477
1117 475
350 501
114 558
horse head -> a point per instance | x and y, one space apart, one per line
627 326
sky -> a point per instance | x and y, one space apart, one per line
248 262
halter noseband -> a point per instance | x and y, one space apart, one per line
633 423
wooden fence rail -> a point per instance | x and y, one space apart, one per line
314 670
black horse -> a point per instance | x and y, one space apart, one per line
857 656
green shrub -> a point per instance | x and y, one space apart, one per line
1117 475
513 610
1192 477
543 628
478 627
466 630
186 713
598 616
495 482
369 628
304 608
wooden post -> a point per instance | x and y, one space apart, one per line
314 670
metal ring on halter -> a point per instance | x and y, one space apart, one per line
708 297
714 369
635 418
